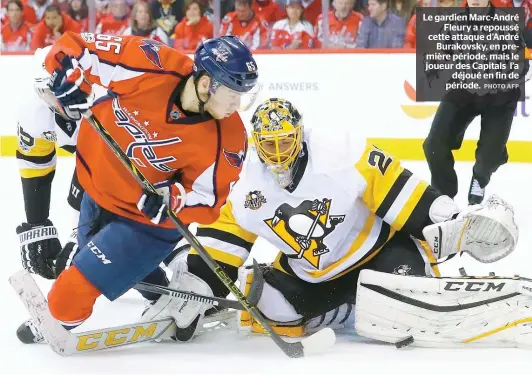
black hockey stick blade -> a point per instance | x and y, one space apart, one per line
214 301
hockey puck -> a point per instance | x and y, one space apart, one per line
404 342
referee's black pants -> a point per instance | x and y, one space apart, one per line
455 113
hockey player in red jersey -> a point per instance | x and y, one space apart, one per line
177 121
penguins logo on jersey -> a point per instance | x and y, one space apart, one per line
305 227
254 200
403 269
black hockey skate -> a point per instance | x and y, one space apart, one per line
28 333
476 192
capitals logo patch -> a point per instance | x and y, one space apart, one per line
151 51
235 159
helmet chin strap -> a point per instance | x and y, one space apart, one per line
201 102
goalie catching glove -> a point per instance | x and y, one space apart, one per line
171 195
486 231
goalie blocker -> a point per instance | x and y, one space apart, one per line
444 312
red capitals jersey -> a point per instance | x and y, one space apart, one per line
253 33
341 32
283 35
111 26
15 40
144 78
44 36
268 10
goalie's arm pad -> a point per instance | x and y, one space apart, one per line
37 160
394 193
228 243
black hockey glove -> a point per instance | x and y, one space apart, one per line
65 257
39 246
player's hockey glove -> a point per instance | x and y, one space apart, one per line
171 194
72 90
67 254
39 246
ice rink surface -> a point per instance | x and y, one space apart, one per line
226 352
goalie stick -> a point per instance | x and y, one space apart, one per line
317 342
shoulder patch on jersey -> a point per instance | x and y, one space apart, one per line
305 227
235 159
151 51
50 136
25 140
88 37
175 114
254 200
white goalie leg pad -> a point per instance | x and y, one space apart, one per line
487 232
445 312
183 311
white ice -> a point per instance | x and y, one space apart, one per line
227 353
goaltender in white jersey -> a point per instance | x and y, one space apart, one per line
333 205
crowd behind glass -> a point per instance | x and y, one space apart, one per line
262 24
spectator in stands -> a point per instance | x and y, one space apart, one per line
268 10
167 14
246 24
343 26
410 34
193 28
16 34
102 8
312 10
116 21
209 11
80 13
403 8
39 6
28 14
382 29
53 25
292 32
143 24
64 5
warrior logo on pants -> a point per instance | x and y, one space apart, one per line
304 228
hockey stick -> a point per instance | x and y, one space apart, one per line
315 343
66 343
214 301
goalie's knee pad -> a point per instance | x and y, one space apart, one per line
283 317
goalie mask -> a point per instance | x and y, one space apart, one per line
277 132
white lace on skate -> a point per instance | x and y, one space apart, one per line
476 189
37 337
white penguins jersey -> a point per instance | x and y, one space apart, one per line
347 200
39 131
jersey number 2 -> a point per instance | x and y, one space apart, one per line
378 159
